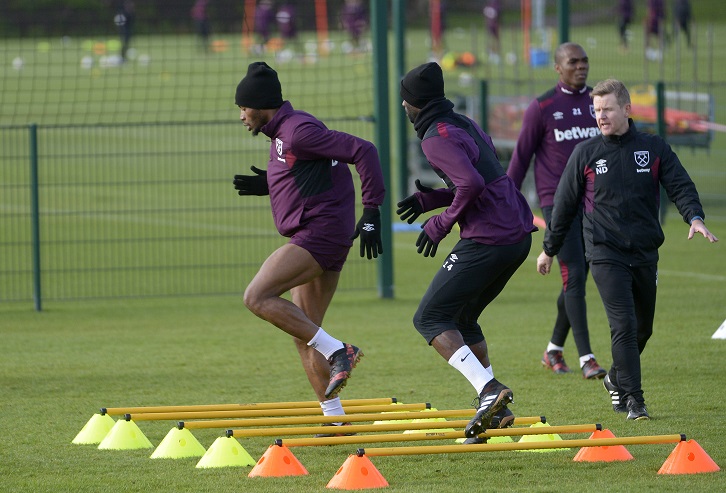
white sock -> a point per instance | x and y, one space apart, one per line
333 407
552 347
490 370
324 343
585 359
465 361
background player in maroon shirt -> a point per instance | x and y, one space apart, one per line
553 124
313 204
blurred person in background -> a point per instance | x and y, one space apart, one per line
553 124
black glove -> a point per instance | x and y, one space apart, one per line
425 244
252 184
369 229
410 208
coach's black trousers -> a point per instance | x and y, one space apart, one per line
628 294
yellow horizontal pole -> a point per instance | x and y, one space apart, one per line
257 413
116 411
303 420
433 435
311 430
496 447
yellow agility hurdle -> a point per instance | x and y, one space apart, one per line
305 420
119 411
411 437
496 447
256 413
428 425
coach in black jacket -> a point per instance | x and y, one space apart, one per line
619 174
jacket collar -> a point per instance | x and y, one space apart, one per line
271 128
626 137
433 110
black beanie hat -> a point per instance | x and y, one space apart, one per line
260 89
422 84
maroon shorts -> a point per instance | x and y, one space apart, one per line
328 253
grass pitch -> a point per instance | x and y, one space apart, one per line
60 366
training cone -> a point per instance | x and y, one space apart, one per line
95 430
357 473
424 420
550 437
688 458
278 461
610 453
501 439
226 452
178 444
124 435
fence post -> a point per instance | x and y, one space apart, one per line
35 215
660 125
484 105
379 31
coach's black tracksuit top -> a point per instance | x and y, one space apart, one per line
619 178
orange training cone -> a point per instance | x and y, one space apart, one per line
357 473
278 461
603 454
688 458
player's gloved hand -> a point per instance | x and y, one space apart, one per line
425 244
252 184
369 230
409 208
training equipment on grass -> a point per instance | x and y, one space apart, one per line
497 447
178 444
602 454
720 332
403 425
125 435
432 435
226 452
278 461
357 473
281 423
120 411
546 435
94 430
306 420
258 413
688 458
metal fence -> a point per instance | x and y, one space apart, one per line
112 211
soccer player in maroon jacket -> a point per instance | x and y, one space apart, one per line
553 124
313 204
495 230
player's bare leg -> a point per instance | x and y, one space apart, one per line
314 299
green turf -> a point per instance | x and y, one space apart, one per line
60 366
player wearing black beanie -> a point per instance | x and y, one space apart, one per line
260 89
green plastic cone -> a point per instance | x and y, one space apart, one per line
226 452
178 444
125 435
95 430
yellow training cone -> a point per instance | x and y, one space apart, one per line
178 444
424 420
551 437
125 435
95 430
226 452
